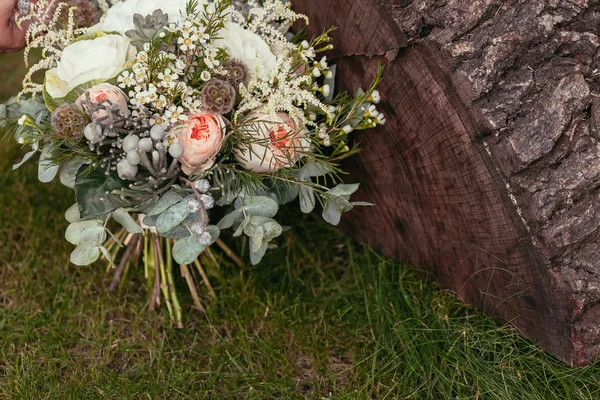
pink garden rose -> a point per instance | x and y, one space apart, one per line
275 142
201 137
104 91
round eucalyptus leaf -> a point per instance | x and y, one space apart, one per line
186 250
85 254
91 232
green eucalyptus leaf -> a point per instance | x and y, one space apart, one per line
68 172
167 200
92 232
242 226
343 190
150 220
230 219
85 254
313 170
307 199
179 232
94 191
72 214
186 250
261 205
256 234
257 256
332 214
126 221
107 255
283 192
173 216
271 228
214 231
27 156
47 169
361 203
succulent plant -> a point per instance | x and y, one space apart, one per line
146 28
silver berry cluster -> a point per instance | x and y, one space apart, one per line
202 203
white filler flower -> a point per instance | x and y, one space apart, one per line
247 47
101 58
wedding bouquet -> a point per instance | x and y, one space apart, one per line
180 119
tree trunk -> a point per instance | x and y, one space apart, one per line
488 170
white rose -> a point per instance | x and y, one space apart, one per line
119 17
275 142
247 47
101 58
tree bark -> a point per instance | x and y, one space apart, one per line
488 170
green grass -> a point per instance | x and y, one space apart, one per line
321 317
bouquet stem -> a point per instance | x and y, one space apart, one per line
157 256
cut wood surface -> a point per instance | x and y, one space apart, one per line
487 172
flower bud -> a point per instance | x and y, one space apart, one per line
130 143
146 144
133 157
176 150
126 170
93 133
157 132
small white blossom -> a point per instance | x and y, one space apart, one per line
142 57
375 97
125 80
187 42
175 114
168 78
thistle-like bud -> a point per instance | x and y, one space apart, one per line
68 121
218 97
238 72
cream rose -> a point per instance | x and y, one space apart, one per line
119 17
247 47
274 143
104 91
101 58
201 138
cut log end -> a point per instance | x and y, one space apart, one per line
472 182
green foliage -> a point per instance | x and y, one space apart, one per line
126 221
47 170
187 250
173 216
95 192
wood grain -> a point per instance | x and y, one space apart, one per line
451 188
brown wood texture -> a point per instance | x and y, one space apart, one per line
487 172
